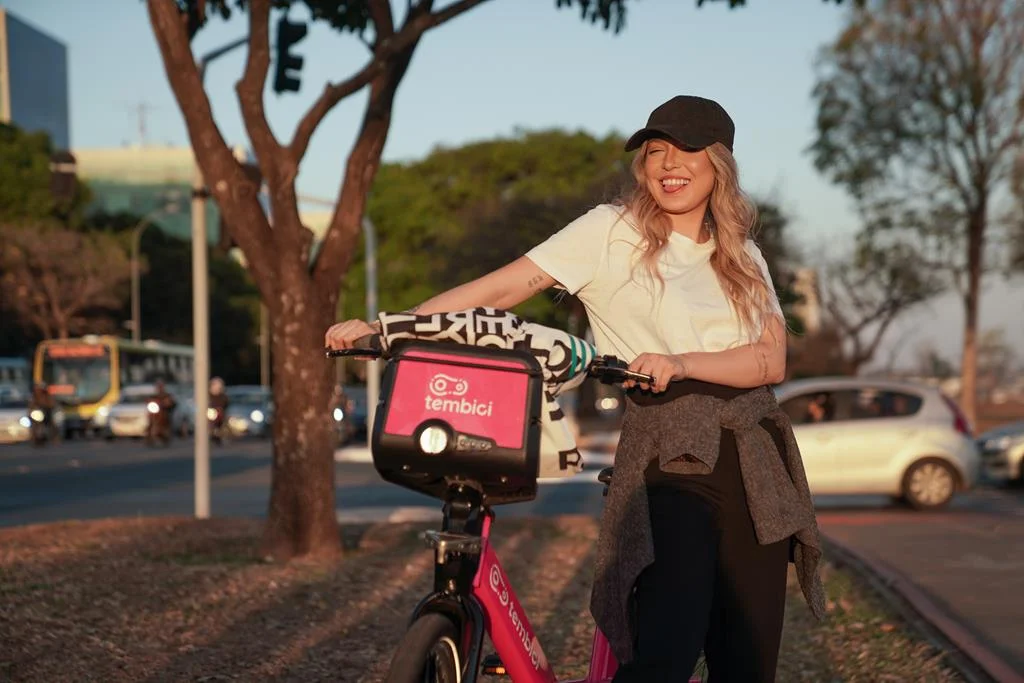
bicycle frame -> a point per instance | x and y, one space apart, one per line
510 630
472 588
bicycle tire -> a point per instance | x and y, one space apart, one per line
427 653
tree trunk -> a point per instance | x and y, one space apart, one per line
301 519
969 360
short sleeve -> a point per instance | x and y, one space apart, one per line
573 254
755 253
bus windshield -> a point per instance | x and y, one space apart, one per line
77 374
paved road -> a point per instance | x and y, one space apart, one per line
95 479
969 559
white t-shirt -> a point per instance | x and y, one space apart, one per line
596 257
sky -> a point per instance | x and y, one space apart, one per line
503 66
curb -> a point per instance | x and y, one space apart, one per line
972 659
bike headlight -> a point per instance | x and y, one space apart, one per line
153 407
211 413
25 422
433 440
103 411
37 415
256 416
339 415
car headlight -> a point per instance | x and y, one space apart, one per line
37 415
153 407
256 416
433 440
339 415
25 422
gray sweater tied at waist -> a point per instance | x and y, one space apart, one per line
684 434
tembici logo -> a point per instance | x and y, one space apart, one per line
445 386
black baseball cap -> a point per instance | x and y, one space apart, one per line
688 121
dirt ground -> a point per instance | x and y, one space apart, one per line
184 600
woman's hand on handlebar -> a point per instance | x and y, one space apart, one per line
345 334
663 367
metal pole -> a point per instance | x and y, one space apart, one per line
201 346
373 368
201 316
136 306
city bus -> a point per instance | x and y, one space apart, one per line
85 375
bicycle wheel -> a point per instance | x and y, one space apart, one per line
428 653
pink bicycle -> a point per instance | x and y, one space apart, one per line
462 424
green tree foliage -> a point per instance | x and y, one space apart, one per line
26 195
921 118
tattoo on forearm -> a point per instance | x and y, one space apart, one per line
762 363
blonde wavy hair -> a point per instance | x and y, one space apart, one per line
731 220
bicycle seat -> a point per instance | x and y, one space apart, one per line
605 475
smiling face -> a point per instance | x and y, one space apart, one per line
679 180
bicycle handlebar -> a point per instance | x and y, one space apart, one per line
605 369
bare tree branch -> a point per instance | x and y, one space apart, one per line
228 182
251 86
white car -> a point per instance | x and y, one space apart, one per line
865 436
129 417
16 418
1002 452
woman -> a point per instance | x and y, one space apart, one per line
709 502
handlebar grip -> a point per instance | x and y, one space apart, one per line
365 347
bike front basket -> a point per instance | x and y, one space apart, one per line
453 414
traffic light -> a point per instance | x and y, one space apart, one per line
287 35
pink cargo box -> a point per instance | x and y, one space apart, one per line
453 414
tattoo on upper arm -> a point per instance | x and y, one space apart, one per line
535 284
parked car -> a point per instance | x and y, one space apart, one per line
1002 453
16 418
865 436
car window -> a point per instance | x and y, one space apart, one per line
863 403
870 404
811 408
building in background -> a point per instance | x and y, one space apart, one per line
156 181
34 81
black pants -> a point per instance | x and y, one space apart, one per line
711 586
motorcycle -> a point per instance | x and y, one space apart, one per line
159 427
41 429
219 431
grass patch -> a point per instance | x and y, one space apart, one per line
193 600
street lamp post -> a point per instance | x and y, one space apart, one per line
373 369
201 316
136 306
140 228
